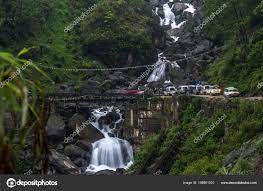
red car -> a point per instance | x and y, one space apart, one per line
133 92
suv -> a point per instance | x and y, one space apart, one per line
205 89
197 89
214 90
231 92
170 90
182 89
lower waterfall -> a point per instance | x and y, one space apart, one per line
111 152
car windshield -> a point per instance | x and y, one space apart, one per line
232 90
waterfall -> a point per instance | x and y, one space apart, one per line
109 153
159 69
168 20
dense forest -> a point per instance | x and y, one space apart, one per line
74 47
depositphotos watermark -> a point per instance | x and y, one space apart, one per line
144 74
78 130
11 183
210 18
15 74
209 129
80 18
260 85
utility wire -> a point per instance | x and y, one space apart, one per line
123 68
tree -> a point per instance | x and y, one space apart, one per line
15 84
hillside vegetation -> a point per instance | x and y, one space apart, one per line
232 146
240 29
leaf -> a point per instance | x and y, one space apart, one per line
24 51
39 70
7 58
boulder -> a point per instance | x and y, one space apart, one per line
62 164
76 121
75 152
85 145
55 128
107 172
80 162
88 133
179 8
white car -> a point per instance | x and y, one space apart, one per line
170 90
231 92
204 90
182 89
191 88
213 90
197 89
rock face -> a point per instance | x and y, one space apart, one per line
249 152
55 128
188 46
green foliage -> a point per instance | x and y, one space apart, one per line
16 83
116 29
260 147
239 27
243 167
171 135
242 124
203 166
146 149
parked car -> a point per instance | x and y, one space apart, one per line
182 89
133 92
191 89
197 89
231 92
204 90
214 90
170 90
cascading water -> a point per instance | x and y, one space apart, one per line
109 153
168 20
160 66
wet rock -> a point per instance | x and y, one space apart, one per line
107 172
76 121
89 132
75 152
85 145
62 164
110 118
80 162
179 8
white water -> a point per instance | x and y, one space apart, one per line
169 16
169 19
190 8
160 66
109 153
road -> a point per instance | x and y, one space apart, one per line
222 97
